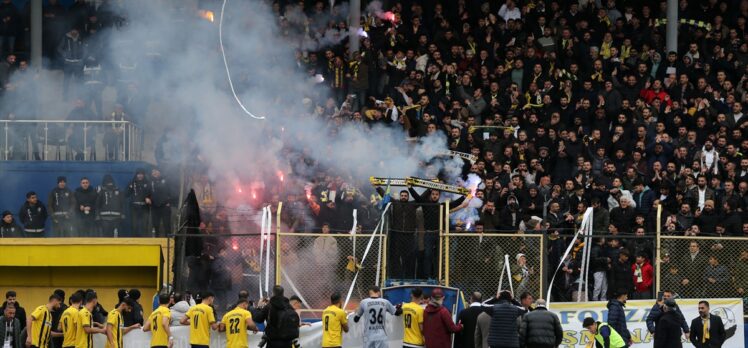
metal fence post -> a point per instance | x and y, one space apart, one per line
46 140
6 141
441 242
658 271
543 256
278 244
446 243
85 141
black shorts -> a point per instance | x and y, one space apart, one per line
159 347
199 346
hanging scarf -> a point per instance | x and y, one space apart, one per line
605 49
338 72
353 68
625 52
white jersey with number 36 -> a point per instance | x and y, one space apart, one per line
373 313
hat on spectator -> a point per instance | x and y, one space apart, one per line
671 303
519 255
62 179
437 293
6 213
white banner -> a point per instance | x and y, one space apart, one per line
310 336
572 315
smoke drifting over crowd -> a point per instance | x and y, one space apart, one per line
191 77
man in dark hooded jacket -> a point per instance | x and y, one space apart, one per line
668 327
617 314
139 194
62 208
272 314
8 226
109 207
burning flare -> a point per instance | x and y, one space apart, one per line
206 14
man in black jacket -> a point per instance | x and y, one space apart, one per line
713 336
33 216
85 198
658 309
617 315
469 319
402 255
109 207
621 277
504 329
61 207
540 328
429 201
139 193
668 327
160 204
270 314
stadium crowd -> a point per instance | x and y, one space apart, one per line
565 105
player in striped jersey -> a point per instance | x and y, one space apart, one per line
374 311
40 322
69 321
115 324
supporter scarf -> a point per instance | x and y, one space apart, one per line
625 52
597 76
605 49
339 73
353 68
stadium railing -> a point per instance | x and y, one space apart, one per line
58 140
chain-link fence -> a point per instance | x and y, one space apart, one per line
704 267
413 231
224 265
475 262
313 266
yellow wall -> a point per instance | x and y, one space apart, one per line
35 267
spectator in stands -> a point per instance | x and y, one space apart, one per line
716 278
33 216
643 274
11 300
620 274
72 51
81 135
138 191
85 200
109 207
161 199
61 203
8 226
113 141
692 268
402 245
617 315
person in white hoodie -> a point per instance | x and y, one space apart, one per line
180 308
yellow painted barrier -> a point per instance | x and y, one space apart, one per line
35 267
